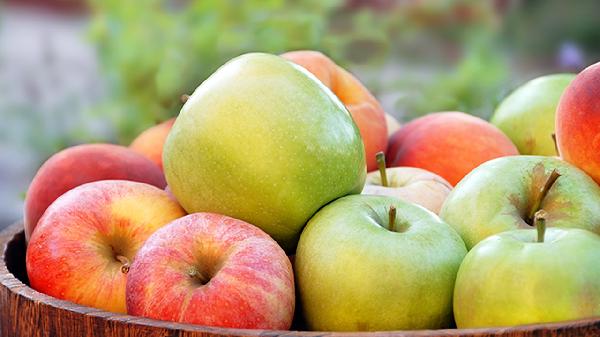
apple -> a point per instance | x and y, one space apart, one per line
578 122
523 277
84 244
409 184
374 263
214 270
504 193
150 142
527 115
82 164
366 111
449 144
263 141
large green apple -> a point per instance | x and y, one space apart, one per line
504 193
526 116
511 279
368 262
262 140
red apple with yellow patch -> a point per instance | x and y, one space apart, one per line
578 122
84 244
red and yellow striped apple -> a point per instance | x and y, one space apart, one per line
211 269
85 242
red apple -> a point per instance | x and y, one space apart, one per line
449 144
211 269
578 122
83 245
150 142
83 164
363 106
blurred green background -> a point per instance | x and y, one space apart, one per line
74 71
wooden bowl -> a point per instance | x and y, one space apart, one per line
26 312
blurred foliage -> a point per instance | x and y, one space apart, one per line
539 27
163 49
439 55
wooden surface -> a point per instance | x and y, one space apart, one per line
26 312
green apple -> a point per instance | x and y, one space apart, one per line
262 140
410 184
526 116
504 193
520 277
367 262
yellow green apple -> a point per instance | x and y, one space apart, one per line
262 140
527 115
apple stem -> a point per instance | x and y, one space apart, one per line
392 218
555 144
539 221
124 263
198 276
184 98
380 157
554 175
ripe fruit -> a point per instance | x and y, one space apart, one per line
512 278
150 142
578 122
84 244
410 184
527 115
377 263
263 141
211 269
82 164
450 144
503 194
363 106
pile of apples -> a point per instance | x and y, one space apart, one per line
269 208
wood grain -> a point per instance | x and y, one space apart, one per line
26 312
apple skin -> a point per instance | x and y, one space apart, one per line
366 111
578 122
510 279
410 184
495 197
247 280
82 164
527 115
150 143
355 275
72 254
263 141
449 144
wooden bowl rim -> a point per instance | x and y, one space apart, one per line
11 282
